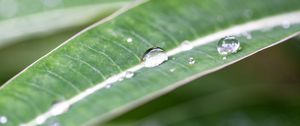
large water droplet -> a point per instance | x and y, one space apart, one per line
129 74
228 45
186 45
154 57
192 61
3 119
59 108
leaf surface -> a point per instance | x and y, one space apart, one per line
78 71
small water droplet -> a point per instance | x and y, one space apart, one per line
59 108
40 120
129 74
192 61
53 122
286 24
186 45
108 86
228 45
3 119
154 57
129 40
247 35
224 58
172 70
121 79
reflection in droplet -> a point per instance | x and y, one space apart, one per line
192 61
154 57
228 45
3 119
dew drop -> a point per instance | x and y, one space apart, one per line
129 74
53 122
192 61
186 45
121 79
129 40
59 108
108 86
228 45
247 35
286 24
40 120
3 119
172 70
154 57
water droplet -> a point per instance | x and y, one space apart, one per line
224 58
59 108
108 86
286 24
129 74
228 45
192 61
154 57
121 78
3 119
186 45
247 35
172 70
129 40
53 122
40 120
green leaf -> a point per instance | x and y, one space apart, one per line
22 19
78 71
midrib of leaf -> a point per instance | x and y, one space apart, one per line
260 24
50 21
